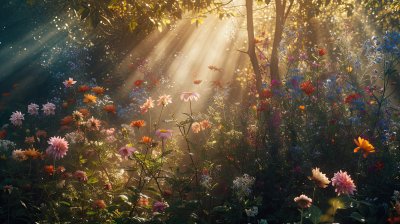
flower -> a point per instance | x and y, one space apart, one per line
99 204
32 153
147 105
364 145
83 88
69 83
303 201
307 87
60 169
77 116
352 97
343 183
164 133
196 127
33 109
110 108
107 186
164 100
321 52
205 124
138 82
159 206
8 188
89 98
189 96
85 112
126 151
58 147
16 118
319 178
30 140
67 120
19 155
138 123
146 140
302 107
98 90
81 175
143 201
49 109
41 134
93 124
49 169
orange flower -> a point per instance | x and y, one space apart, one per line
364 145
302 107
100 204
66 120
98 90
85 112
110 108
89 98
60 169
32 153
143 201
138 123
197 82
49 169
307 87
146 140
83 88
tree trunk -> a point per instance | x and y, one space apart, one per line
279 24
251 51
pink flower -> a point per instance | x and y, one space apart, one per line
189 96
8 188
49 109
164 133
303 201
343 183
147 105
81 175
196 127
33 109
69 83
205 124
58 147
164 100
16 118
126 151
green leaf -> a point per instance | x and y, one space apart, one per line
65 203
92 180
90 213
313 214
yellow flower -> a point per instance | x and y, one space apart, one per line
319 178
32 153
349 69
89 98
364 145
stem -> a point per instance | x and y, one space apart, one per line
301 216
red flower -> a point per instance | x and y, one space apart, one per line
321 52
350 98
49 169
83 88
138 123
138 82
307 87
3 134
110 108
266 93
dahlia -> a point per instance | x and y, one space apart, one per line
77 116
16 118
93 124
19 155
343 183
98 90
81 175
303 201
164 100
49 109
189 96
69 83
33 109
58 147
319 178
138 123
32 153
126 151
89 98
